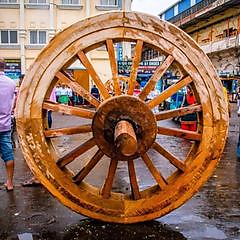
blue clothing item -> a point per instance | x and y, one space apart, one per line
6 148
238 147
49 119
94 90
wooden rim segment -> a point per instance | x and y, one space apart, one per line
112 115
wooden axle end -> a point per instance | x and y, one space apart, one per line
125 138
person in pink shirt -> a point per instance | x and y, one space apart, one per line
7 99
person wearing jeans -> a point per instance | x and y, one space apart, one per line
7 90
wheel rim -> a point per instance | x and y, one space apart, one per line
102 203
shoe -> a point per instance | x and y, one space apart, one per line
8 189
31 183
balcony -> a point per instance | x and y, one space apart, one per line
196 8
201 11
221 45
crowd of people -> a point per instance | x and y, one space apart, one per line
65 95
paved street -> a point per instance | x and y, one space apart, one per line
213 213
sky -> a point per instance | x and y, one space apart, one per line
153 7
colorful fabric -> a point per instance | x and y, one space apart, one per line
189 100
63 99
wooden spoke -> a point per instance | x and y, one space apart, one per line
155 77
135 64
113 65
77 88
190 135
76 111
67 131
133 180
106 190
169 92
178 112
172 159
68 158
91 71
156 174
86 170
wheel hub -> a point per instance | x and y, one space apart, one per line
128 111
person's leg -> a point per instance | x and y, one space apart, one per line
10 170
13 130
8 157
49 119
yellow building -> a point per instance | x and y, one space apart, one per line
26 26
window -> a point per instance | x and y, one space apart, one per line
37 1
70 2
38 37
8 37
8 1
169 13
109 2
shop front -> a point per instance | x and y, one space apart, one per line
13 69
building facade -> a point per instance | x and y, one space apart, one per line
215 26
26 26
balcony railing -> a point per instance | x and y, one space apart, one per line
226 43
196 8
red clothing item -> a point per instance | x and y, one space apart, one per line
190 126
190 98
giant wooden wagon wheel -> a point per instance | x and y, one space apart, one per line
122 128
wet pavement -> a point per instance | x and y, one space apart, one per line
31 213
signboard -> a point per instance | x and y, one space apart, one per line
145 67
119 52
13 68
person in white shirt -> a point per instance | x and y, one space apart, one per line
57 92
63 98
